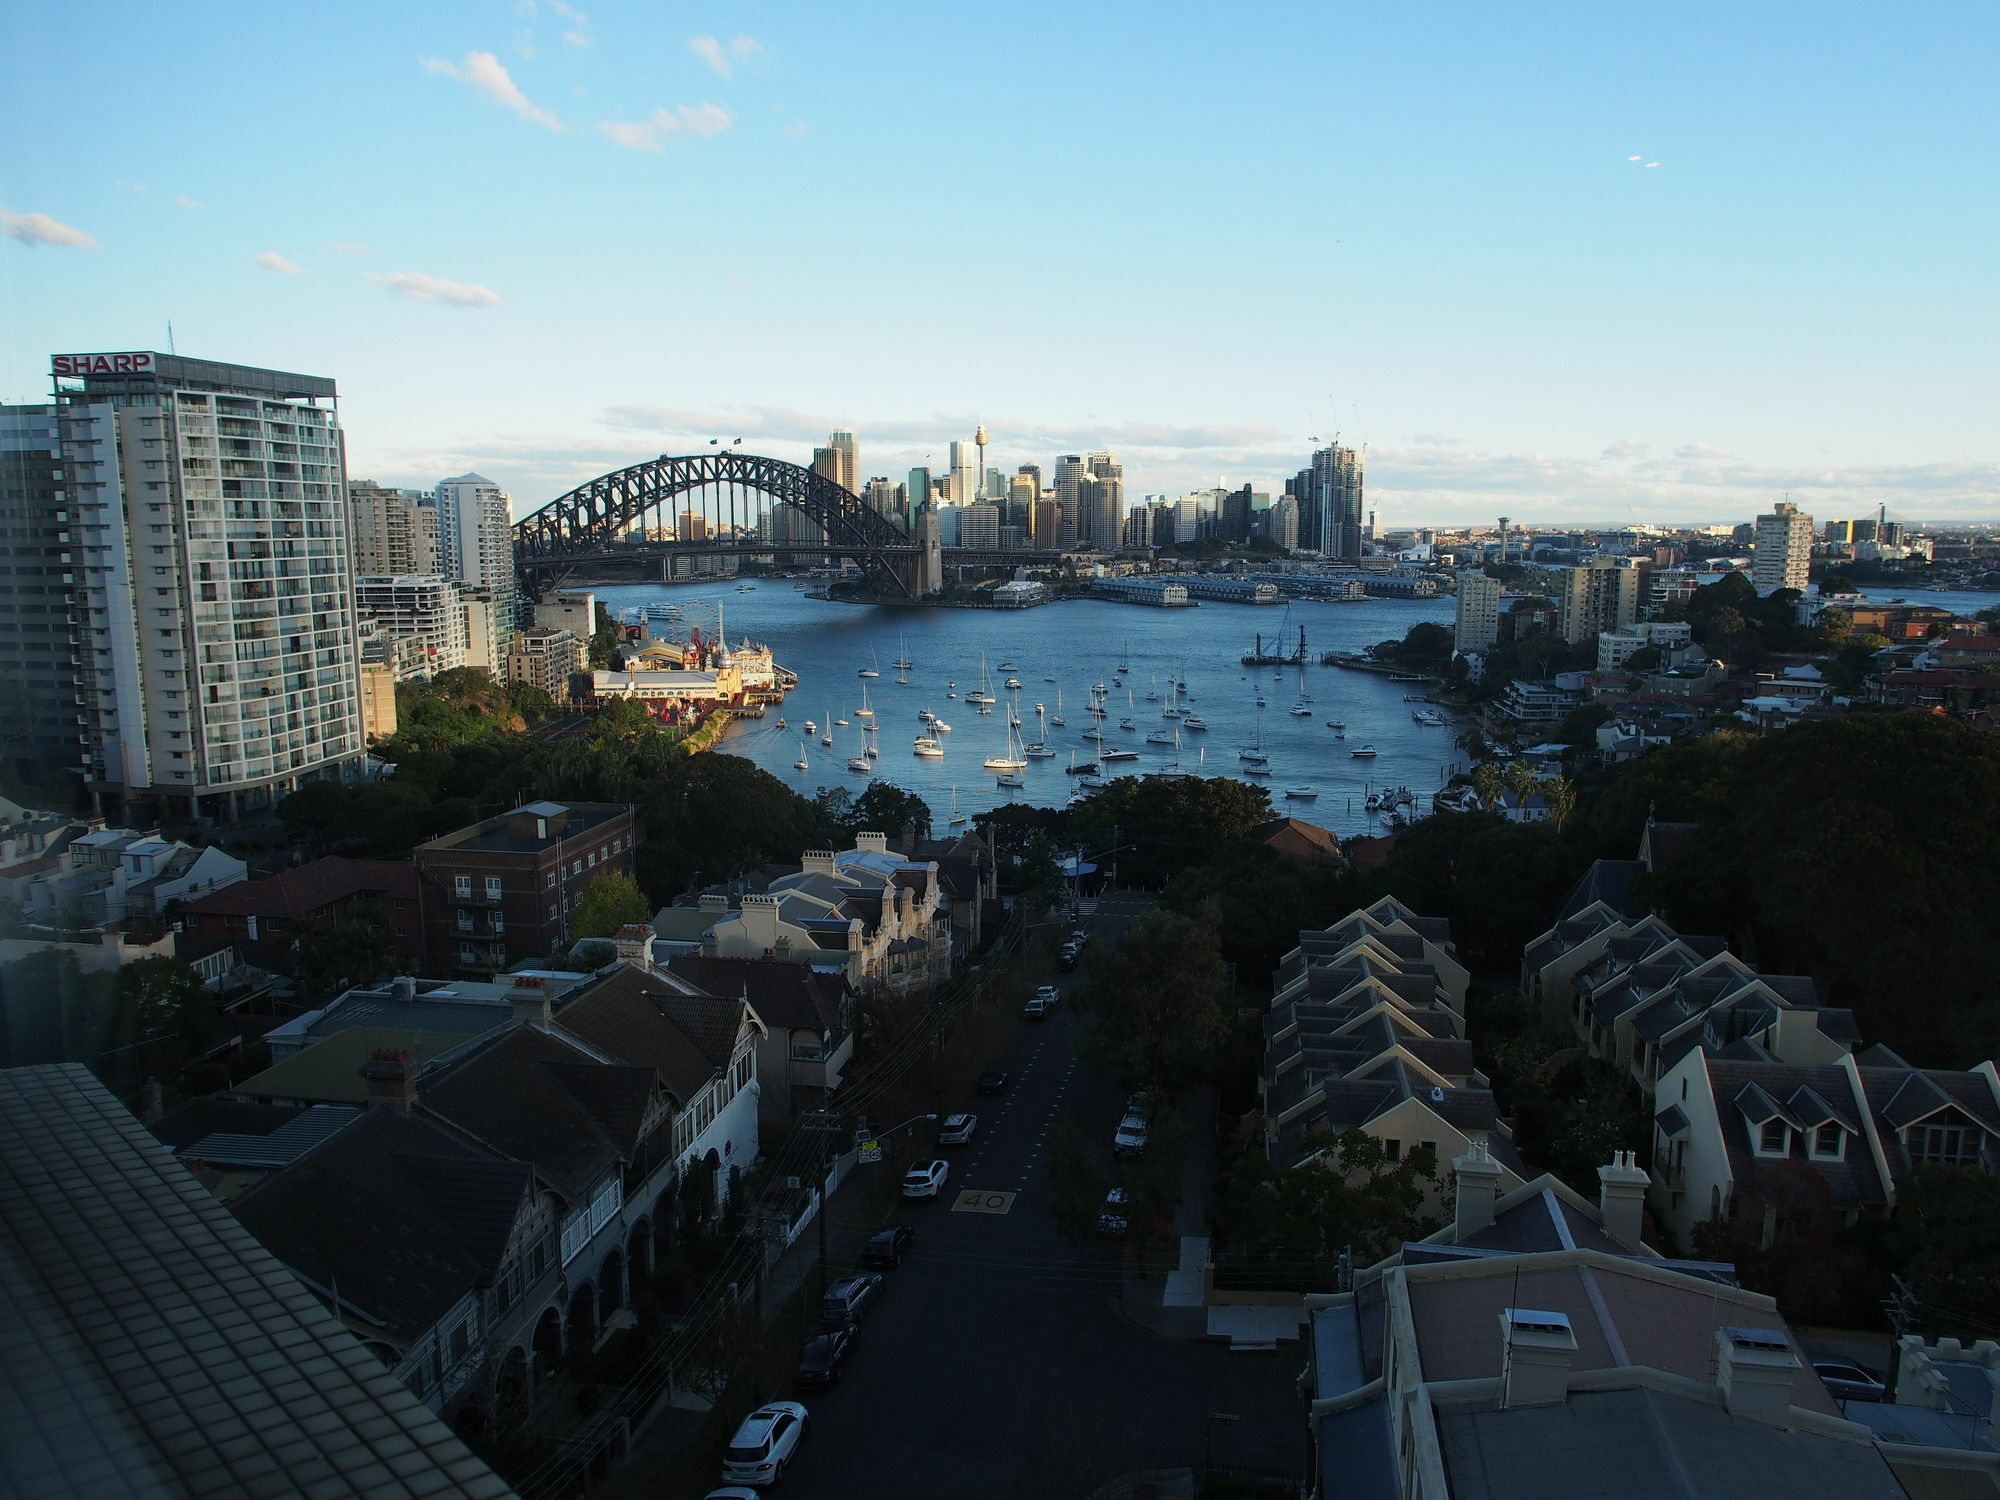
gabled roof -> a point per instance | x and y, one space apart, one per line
658 1020
791 996
310 887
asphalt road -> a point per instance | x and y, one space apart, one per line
997 1363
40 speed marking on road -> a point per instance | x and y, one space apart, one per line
979 1201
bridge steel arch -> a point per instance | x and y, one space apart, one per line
589 519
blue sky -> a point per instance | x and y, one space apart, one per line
545 240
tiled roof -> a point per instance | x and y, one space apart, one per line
1746 1093
153 1348
310 887
787 995
644 1017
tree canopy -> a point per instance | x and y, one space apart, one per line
1159 827
1158 995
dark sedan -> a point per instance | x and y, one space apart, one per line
993 1082
886 1248
823 1356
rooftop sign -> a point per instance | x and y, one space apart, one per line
102 364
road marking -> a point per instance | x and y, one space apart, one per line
981 1201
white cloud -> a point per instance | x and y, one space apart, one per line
186 202
723 58
426 288
1625 448
488 77
576 39
569 12
40 229
700 120
132 187
350 248
270 260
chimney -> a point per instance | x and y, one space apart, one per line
1621 1198
1536 1349
634 943
713 904
1478 1177
403 988
151 1102
392 1079
909 838
818 862
760 924
530 999
1756 1369
875 842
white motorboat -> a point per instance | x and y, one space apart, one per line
927 747
938 726
1194 721
1039 751
1160 737
1300 793
811 728
1119 755
1009 779
1363 752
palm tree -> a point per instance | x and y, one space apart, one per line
1560 793
1522 781
1473 743
1487 784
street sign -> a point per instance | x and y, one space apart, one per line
871 1150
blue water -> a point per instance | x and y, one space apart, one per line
1078 643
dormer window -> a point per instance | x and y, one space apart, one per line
1829 1142
1948 1145
1773 1138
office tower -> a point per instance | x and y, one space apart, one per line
691 526
885 498
963 486
917 489
1069 473
1033 474
1784 549
1047 531
476 546
950 524
847 462
1101 513
394 531
979 525
1139 528
995 487
1233 525
1478 624
1330 502
1605 594
214 584
1284 523
1165 513
40 739
826 464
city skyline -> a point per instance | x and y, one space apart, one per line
1527 265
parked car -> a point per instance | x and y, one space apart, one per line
847 1302
1130 1138
992 1081
823 1355
1035 1010
1845 1382
1112 1219
886 1247
731 1492
1067 960
957 1130
1080 938
1048 994
1140 1107
926 1181
764 1444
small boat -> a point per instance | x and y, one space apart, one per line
1008 666
826 739
1363 752
938 726
1009 759
923 714
1260 700
1093 734
902 682
1301 711
1159 737
1095 783
1194 721
781 723
1335 724
1119 755
902 663
811 728
1256 770
1013 684
927 747
864 712
1252 753
1125 724
956 817
872 753
1009 779
840 723
1039 751
951 695
868 672
857 763
802 764
873 669
1087 768
746 588
1300 793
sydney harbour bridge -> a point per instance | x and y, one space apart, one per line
718 503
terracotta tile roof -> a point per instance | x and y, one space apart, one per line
310 887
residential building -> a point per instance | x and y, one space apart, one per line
1138 536
887 498
113 876
263 920
1783 549
172 1353
1284 522
545 659
1603 594
41 700
1533 702
1299 839
438 615
808 1018
1049 525
979 525
1069 473
504 889
1737 1130
476 546
215 595
394 531
385 661
574 610
1673 639
1330 500
690 526
1477 625
1101 502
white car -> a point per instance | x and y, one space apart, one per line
764 1444
957 1130
926 1182
1048 994
1130 1138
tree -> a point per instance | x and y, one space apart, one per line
1946 1236
1262 899
1497 881
1160 827
611 901
1837 583
1292 1223
1579 725
1488 783
1645 659
1077 1184
1560 794
353 950
166 1010
1158 997
886 808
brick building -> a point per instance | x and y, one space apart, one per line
264 919
503 890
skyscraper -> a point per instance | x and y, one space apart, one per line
394 531
1330 502
917 489
476 546
965 468
1106 512
40 741
213 585
1784 549
1069 473
1603 595
847 462
1478 623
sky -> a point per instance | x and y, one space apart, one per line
1570 263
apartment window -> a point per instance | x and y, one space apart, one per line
552 880
555 913
1772 1137
1950 1145
1392 1150
461 886
1829 1142
465 921
492 887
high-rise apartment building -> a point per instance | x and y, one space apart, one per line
1783 558
1477 626
476 546
1104 512
1284 522
1604 594
979 525
1330 502
1139 528
215 597
886 498
41 734
1047 535
691 526
445 618
393 531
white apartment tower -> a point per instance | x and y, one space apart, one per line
214 589
1784 549
1477 627
476 546
964 484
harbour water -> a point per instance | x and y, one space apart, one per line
1057 652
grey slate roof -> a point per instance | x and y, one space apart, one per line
1640 1444
152 1348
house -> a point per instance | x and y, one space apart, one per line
504 889
110 876
263 920
159 1349
969 872
808 1015
1300 839
1533 702
461 1008
1807 1145
1366 1032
